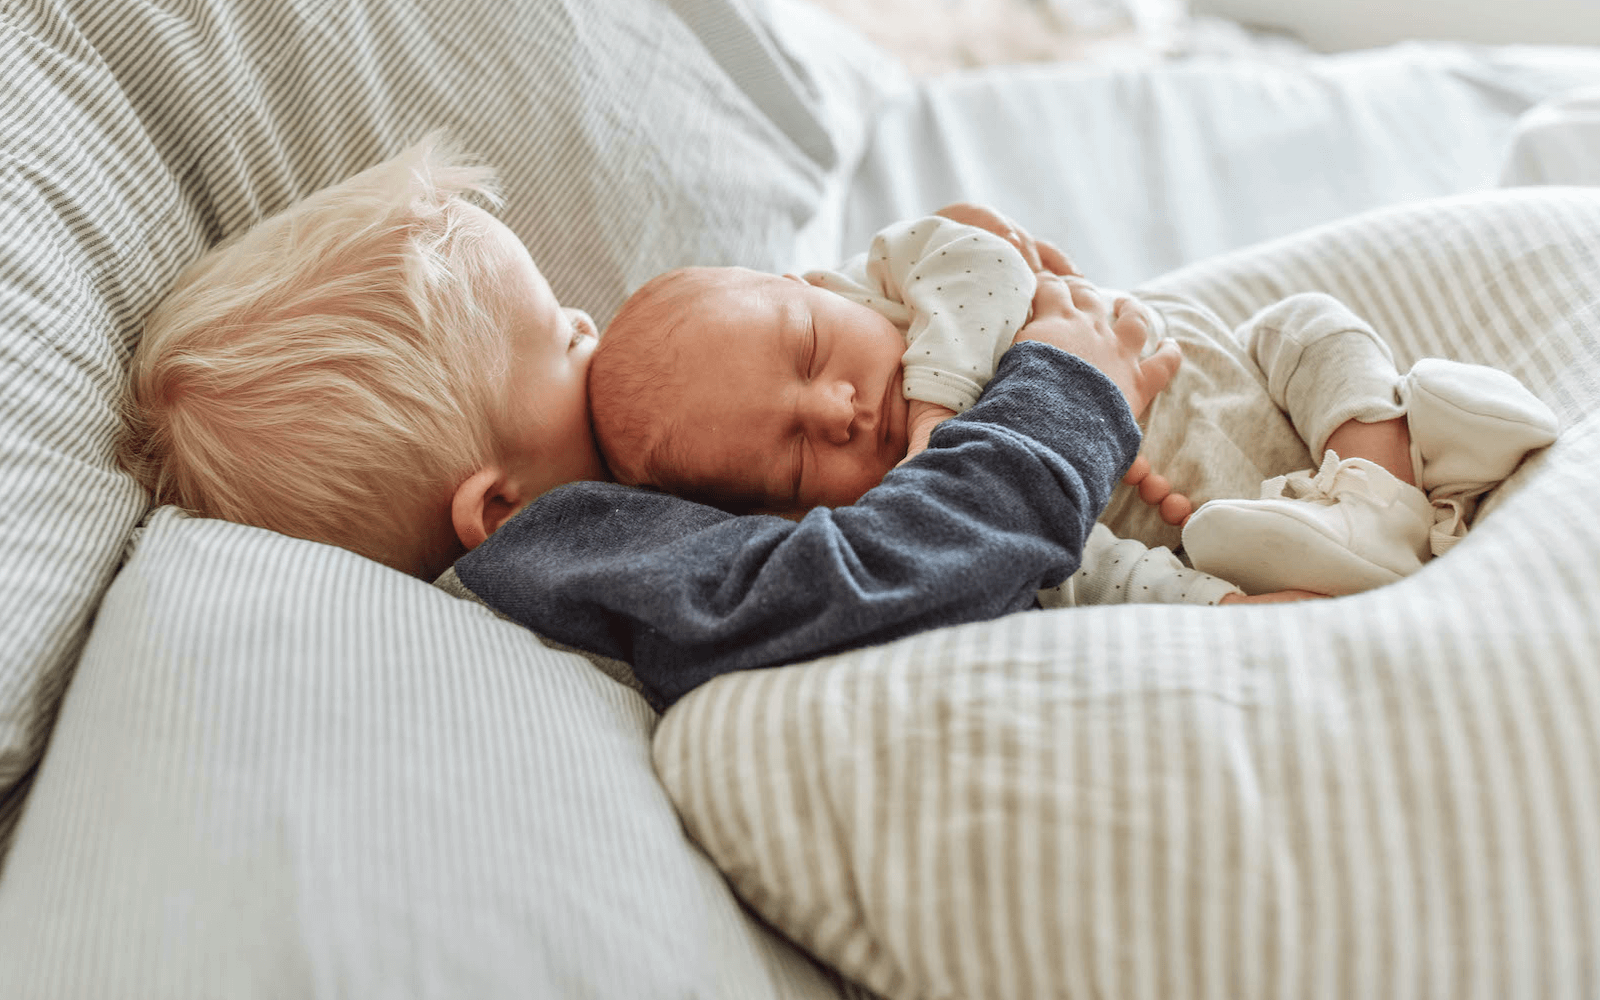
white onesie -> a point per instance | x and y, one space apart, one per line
960 294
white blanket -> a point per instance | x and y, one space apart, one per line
1134 172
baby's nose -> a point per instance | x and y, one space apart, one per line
830 411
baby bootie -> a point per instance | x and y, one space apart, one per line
1471 426
1350 527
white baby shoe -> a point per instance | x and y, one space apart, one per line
1350 527
1470 425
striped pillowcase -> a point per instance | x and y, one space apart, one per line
282 766
1393 794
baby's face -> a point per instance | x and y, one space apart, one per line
793 397
548 440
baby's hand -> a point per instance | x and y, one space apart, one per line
1040 255
923 418
1156 490
1070 313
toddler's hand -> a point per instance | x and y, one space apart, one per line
1071 314
923 418
1041 255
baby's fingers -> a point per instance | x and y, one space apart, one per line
1157 370
1153 375
1050 258
1137 471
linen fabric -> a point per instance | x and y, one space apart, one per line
285 770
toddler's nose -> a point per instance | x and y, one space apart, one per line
829 411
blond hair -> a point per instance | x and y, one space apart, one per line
336 369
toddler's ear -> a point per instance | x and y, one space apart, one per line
483 502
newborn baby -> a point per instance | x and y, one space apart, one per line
760 392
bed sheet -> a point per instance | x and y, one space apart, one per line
1140 170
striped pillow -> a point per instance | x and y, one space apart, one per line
281 766
1393 794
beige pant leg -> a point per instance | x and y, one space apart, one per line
1214 432
1324 365
1246 401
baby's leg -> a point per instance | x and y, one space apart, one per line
1402 456
1385 442
1454 430
1358 521
1326 368
1331 374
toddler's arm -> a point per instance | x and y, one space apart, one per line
999 508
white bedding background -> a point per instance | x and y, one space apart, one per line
1336 25
1134 173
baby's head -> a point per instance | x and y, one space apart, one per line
749 391
379 367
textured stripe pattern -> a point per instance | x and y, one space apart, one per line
632 135
1393 795
283 770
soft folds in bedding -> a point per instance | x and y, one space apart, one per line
281 766
1392 794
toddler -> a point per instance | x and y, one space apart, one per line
379 367
1317 466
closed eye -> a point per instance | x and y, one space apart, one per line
809 351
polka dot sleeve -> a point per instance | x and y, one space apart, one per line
1123 571
959 293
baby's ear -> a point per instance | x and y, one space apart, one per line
482 503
